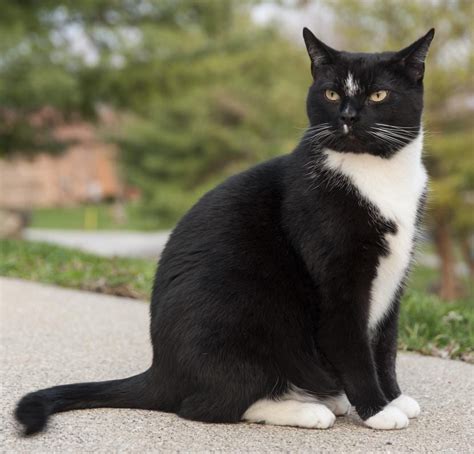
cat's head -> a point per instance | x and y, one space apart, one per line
366 103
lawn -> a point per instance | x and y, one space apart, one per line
427 324
65 267
98 216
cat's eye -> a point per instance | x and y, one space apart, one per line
378 96
332 95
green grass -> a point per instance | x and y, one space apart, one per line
94 217
434 327
71 268
427 324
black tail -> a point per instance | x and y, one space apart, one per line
34 409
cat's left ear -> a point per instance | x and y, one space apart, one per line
412 58
319 53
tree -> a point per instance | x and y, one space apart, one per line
218 100
201 91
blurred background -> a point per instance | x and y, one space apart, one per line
117 115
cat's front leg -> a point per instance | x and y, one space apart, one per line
343 338
385 351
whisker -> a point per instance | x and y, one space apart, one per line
317 136
403 140
322 128
400 130
398 127
388 139
387 136
310 128
397 134
411 129
317 131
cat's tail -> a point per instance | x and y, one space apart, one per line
34 409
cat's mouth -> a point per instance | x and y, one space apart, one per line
347 138
348 132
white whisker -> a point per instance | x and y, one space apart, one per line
396 134
398 127
386 138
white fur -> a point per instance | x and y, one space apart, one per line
351 86
394 187
387 419
407 405
290 413
339 405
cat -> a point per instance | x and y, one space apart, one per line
277 296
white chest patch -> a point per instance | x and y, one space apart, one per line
394 187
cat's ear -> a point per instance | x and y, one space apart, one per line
319 53
412 58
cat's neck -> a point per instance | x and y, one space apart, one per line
393 184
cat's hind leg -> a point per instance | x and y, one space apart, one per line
212 408
230 407
226 391
339 405
290 413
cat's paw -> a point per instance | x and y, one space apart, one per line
316 416
290 413
339 405
387 419
407 405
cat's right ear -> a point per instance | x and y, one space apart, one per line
412 58
319 53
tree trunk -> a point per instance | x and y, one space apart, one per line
468 253
448 289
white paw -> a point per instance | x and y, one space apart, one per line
290 413
388 418
339 405
407 405
315 416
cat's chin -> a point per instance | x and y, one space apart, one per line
352 142
357 146
357 142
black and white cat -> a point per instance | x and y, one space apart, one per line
277 296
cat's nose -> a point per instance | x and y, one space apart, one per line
349 115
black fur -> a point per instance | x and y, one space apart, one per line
265 282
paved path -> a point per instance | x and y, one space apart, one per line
53 336
107 243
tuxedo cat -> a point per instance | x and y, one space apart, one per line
277 296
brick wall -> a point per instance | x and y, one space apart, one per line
85 171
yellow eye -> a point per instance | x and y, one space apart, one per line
378 95
332 95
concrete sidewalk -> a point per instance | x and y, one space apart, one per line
108 243
55 336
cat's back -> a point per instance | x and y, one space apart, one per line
242 202
236 223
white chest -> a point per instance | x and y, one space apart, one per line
394 187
